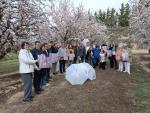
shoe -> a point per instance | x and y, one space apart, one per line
41 90
47 84
37 92
129 73
55 73
31 97
27 100
51 79
118 70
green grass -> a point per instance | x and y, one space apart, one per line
8 66
9 63
142 89
10 56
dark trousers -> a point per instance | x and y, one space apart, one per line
37 80
89 61
115 61
111 62
44 76
62 66
27 80
102 65
75 60
81 60
95 62
48 70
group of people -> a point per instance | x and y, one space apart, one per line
118 56
46 59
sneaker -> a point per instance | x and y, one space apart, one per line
47 84
51 79
129 73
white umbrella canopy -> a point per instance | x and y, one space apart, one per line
90 71
77 74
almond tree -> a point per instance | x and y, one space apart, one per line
74 22
19 20
140 22
43 20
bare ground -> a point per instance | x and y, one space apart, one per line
111 92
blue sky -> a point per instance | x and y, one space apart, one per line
95 5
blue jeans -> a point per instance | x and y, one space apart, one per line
27 87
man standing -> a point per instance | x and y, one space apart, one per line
54 50
96 56
81 53
37 74
62 53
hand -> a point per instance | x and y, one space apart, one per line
38 69
36 61
78 57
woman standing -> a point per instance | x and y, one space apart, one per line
102 60
26 68
119 58
43 65
70 54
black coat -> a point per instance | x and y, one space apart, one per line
35 52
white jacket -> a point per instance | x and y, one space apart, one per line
103 57
26 61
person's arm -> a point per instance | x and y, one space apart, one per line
59 52
35 67
33 53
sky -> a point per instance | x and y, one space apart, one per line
95 5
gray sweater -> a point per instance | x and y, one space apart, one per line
62 52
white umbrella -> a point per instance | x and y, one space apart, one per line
77 74
90 71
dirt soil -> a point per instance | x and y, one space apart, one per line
111 92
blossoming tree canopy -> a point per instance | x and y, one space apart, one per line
140 22
74 22
44 20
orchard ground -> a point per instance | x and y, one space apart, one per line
111 92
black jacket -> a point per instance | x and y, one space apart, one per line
35 52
